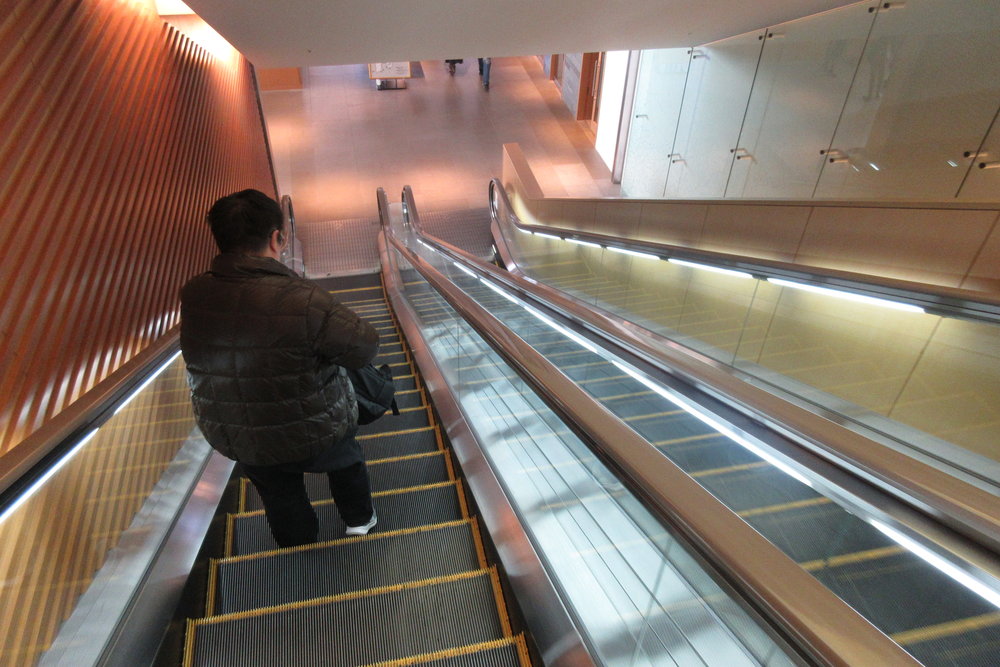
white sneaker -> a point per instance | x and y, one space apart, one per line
363 530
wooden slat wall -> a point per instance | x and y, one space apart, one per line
116 135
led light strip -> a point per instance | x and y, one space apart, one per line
713 269
850 296
977 587
697 412
30 491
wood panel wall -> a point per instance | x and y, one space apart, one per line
118 133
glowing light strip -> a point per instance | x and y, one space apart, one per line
695 411
48 474
713 269
848 295
145 384
586 243
466 270
977 587
579 340
635 253
547 236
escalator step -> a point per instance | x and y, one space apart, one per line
409 398
292 575
705 452
873 588
751 487
404 380
384 475
837 533
405 622
396 510
407 419
400 443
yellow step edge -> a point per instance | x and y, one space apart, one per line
246 484
686 439
405 431
375 494
342 597
477 539
784 507
405 457
212 583
370 537
356 289
740 467
469 649
948 629
851 558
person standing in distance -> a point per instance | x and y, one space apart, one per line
266 352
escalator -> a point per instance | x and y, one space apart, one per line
632 579
933 608
915 603
417 589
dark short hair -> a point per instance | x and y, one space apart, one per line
244 220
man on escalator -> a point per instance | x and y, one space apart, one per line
266 352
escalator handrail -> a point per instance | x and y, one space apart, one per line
934 299
289 213
822 624
19 466
972 511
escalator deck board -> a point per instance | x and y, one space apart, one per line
396 511
405 622
292 575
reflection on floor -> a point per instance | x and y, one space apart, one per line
338 139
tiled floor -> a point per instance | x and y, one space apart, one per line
338 139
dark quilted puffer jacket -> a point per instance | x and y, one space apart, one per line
264 350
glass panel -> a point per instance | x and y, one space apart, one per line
658 93
926 93
920 382
639 597
715 101
56 535
805 71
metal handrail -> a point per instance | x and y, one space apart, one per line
19 467
822 625
288 253
935 299
972 511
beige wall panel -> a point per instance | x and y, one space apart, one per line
953 390
771 232
676 224
985 272
861 353
924 245
617 218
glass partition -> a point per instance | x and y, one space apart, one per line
59 536
920 382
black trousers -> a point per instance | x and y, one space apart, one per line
289 513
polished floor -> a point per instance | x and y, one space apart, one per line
338 139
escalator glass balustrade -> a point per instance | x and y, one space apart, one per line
933 611
919 382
